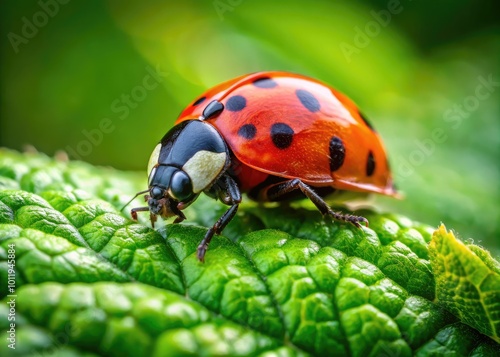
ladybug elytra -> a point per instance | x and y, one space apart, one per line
272 135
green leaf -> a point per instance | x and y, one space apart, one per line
283 282
468 282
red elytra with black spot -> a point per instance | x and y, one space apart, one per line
284 125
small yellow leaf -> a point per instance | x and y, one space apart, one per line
467 283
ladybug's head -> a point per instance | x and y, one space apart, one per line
187 161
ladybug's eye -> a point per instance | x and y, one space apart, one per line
180 186
157 193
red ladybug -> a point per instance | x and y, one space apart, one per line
273 135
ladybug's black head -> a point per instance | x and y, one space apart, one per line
187 161
168 187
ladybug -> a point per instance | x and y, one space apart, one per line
272 135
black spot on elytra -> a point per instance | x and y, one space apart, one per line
370 164
337 153
367 122
308 100
212 109
265 82
247 131
236 103
281 135
199 101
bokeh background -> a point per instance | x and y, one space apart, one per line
104 80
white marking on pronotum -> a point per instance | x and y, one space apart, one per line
204 167
153 159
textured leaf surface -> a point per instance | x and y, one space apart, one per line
468 282
282 281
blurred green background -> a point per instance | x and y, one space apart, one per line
104 80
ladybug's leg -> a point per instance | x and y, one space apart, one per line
232 197
133 211
283 188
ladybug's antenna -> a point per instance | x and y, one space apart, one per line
133 198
